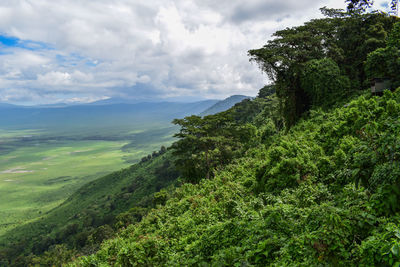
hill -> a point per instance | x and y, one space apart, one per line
289 201
224 105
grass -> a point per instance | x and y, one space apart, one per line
95 203
36 179
39 171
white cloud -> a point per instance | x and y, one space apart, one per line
85 99
112 47
54 78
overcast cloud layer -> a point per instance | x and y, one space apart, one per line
81 51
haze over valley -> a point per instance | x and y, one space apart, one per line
46 153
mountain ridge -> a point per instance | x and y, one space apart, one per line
224 104
110 114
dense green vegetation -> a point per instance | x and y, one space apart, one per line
326 192
90 214
323 192
315 63
306 174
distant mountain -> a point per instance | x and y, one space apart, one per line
97 116
6 105
57 105
224 104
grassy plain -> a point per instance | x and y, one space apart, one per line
40 169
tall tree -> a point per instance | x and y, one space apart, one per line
385 62
283 59
345 38
357 37
205 143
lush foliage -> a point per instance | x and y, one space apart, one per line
385 62
323 83
343 38
325 193
208 142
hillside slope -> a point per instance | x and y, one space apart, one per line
223 105
289 203
76 222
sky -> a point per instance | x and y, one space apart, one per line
78 51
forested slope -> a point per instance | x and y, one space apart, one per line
307 177
326 192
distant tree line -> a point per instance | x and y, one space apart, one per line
155 154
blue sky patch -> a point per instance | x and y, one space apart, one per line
6 52
91 63
10 41
66 61
385 4
74 59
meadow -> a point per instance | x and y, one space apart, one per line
40 169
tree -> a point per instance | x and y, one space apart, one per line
205 143
162 150
385 62
357 37
346 39
322 81
56 256
394 36
266 91
379 62
283 59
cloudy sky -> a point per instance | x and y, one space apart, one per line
84 50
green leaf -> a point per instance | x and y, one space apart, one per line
395 250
